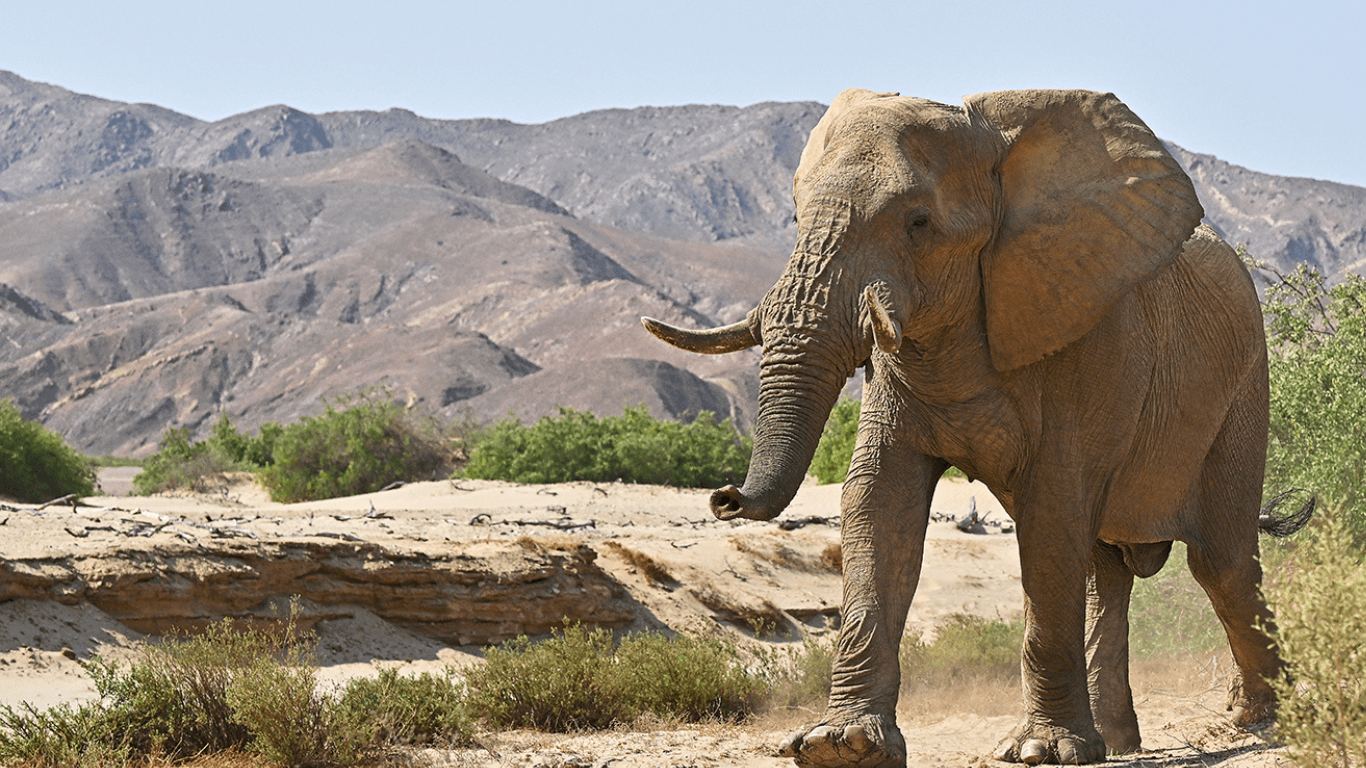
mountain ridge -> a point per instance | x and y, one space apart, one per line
158 270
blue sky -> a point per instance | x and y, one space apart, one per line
1279 88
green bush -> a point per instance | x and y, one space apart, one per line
836 448
359 444
180 463
275 699
1319 599
634 447
90 736
36 465
427 709
575 679
1316 338
175 701
830 464
797 675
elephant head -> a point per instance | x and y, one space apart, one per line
1014 223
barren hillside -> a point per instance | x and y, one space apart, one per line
156 269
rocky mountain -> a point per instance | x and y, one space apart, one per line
156 270
1284 221
164 296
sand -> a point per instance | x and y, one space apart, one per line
711 566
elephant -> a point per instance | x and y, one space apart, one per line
1027 284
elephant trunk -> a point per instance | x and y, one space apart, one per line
812 339
795 398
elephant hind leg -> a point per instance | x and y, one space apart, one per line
1223 557
1233 586
1107 649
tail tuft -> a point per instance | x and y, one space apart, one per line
1284 525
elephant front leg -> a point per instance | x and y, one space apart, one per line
884 510
1107 649
1058 726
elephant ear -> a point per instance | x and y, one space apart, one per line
1093 206
815 145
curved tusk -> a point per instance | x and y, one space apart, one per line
716 341
886 330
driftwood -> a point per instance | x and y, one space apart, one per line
70 498
563 524
971 522
800 522
330 535
373 514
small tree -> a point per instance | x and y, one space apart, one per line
182 463
1316 339
36 464
359 444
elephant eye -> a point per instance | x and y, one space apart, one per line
919 220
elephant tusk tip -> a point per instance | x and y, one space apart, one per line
657 328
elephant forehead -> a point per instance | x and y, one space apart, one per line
866 172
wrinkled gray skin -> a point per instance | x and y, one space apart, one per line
1026 281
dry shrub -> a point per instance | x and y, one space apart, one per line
576 679
551 543
973 665
230 689
648 567
1319 597
832 558
1170 615
1186 676
798 673
982 697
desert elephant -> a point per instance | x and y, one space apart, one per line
1026 281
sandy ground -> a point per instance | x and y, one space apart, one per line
44 644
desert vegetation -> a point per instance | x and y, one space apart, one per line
36 464
359 444
634 448
1316 339
254 688
365 441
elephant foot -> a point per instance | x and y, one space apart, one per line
1122 741
1033 744
1251 707
865 741
1119 730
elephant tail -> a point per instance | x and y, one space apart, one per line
1279 525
